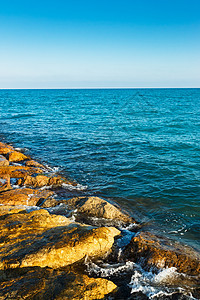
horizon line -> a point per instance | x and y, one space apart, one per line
96 88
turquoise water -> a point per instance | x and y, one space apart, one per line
139 147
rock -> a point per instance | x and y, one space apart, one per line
7 209
46 283
24 196
5 148
5 183
97 207
18 171
3 161
40 239
16 156
33 163
43 180
152 250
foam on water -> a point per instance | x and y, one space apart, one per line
107 270
157 284
71 187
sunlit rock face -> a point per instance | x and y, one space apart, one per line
5 148
16 156
40 239
18 171
46 283
26 196
43 180
3 161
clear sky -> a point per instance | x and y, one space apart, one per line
107 43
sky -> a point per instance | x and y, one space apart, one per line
96 44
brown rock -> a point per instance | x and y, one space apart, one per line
33 163
7 209
25 196
3 161
97 207
5 183
46 283
16 156
5 148
44 240
18 171
43 180
157 251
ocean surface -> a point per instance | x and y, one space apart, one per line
138 147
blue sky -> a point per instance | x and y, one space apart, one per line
130 43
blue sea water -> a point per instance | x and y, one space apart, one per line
138 147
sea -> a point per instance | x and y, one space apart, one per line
137 147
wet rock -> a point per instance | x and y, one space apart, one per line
3 161
15 156
97 207
5 183
40 239
24 196
156 251
43 180
46 283
5 148
18 171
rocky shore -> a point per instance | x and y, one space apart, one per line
50 246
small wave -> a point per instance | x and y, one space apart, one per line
21 149
157 285
71 187
108 270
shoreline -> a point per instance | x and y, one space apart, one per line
27 183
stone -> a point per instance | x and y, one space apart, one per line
40 239
18 171
3 161
43 180
46 283
15 156
33 163
159 252
97 207
5 148
24 196
5 183
8 209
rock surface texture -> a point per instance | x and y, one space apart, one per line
152 250
24 196
46 283
40 239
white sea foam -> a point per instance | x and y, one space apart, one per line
46 187
52 169
71 187
107 270
155 285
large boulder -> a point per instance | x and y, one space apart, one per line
97 207
33 163
40 239
18 171
46 283
16 156
159 252
3 161
5 148
24 196
43 180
